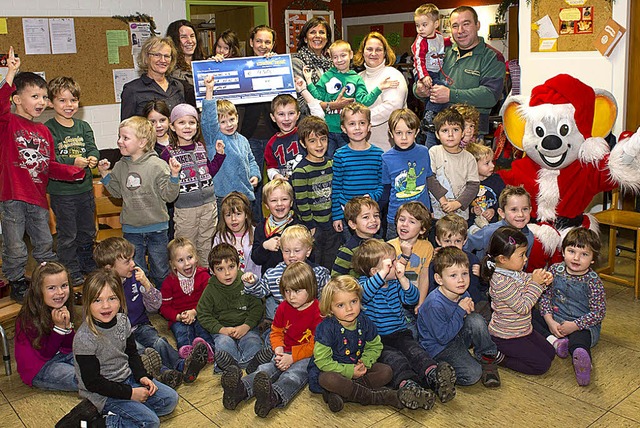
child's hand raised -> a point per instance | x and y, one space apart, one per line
13 62
217 58
388 83
249 278
220 147
103 167
400 269
272 244
142 278
174 166
60 317
387 264
308 74
209 82
301 85
406 248
475 269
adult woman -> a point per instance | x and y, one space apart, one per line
156 59
377 57
183 34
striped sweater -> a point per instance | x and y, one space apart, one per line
342 265
383 304
513 294
355 173
311 183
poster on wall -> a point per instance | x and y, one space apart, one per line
576 20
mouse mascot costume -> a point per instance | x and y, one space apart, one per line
561 128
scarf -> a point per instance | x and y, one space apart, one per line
272 227
186 284
313 61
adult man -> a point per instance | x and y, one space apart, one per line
474 70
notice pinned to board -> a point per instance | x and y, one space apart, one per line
115 39
63 35
36 36
3 26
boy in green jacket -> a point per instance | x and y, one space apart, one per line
230 315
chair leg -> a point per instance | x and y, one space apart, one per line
611 260
5 352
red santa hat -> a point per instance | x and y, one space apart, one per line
565 89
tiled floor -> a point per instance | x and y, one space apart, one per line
552 400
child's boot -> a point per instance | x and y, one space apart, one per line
562 347
582 366
333 400
171 378
266 397
490 377
209 349
263 356
233 388
413 396
185 351
442 379
194 363
86 412
151 361
365 396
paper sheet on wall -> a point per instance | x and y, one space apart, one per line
545 28
63 35
36 36
140 32
120 78
115 39
3 26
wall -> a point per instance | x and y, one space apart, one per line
394 6
486 16
590 67
103 119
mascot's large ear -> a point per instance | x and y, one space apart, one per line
604 114
512 119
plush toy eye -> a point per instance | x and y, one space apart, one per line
351 89
333 86
563 129
540 131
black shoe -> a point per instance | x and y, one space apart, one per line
19 289
233 388
224 360
263 356
171 378
266 397
333 400
442 380
195 362
85 411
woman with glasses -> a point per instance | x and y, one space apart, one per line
184 37
156 60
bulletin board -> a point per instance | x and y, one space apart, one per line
577 35
89 66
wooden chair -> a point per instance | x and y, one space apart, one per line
617 218
107 212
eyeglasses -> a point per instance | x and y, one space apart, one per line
158 55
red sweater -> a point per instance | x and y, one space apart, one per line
175 301
294 330
29 360
26 157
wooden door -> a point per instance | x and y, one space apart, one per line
633 83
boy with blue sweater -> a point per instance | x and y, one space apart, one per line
239 171
385 289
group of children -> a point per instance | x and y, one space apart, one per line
309 294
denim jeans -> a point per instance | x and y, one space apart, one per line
243 349
57 374
130 413
286 383
17 217
474 333
185 333
76 229
155 245
147 336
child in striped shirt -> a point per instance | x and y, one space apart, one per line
357 167
311 182
385 289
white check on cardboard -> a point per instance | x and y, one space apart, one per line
245 80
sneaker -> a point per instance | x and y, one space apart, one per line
233 388
490 377
266 397
185 351
582 366
562 347
442 380
224 360
18 289
171 378
209 349
151 361
413 396
85 411
263 356
335 402
194 363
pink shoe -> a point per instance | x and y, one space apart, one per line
185 351
209 350
562 347
582 366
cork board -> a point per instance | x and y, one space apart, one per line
88 66
570 41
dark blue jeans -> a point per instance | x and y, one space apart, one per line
76 229
153 244
186 333
147 336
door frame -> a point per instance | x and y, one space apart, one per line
260 8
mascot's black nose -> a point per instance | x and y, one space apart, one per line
551 142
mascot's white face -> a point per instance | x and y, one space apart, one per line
551 137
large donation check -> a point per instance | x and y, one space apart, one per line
245 80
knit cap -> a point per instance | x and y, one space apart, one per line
182 110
